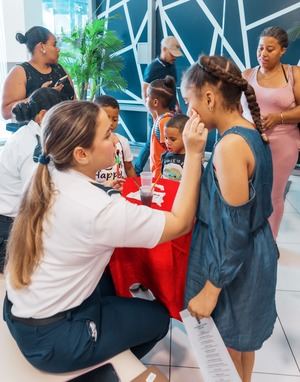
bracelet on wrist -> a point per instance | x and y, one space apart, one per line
282 120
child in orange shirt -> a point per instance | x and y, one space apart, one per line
160 97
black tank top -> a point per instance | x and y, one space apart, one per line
35 79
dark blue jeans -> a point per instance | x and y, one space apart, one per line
101 327
143 156
5 227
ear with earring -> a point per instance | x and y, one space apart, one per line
210 108
42 48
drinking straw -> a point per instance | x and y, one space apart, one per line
118 163
155 183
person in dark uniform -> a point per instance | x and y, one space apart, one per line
162 66
64 235
42 70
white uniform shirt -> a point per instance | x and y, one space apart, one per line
84 226
123 154
17 166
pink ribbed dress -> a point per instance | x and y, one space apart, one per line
284 138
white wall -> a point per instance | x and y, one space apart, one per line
19 16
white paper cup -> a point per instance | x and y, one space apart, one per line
146 194
146 178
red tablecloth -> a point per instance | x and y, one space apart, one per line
161 269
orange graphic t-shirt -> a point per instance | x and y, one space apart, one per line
157 146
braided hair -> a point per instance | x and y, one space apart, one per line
164 90
226 76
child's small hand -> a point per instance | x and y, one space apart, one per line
117 184
204 303
194 135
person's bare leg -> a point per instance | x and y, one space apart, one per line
236 357
247 364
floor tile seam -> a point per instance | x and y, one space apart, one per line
279 374
292 204
288 243
291 350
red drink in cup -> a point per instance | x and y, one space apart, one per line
146 195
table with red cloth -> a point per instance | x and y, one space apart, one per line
163 268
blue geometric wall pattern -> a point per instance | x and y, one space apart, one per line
228 27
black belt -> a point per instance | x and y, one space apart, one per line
41 321
6 219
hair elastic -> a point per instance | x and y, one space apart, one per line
200 65
44 159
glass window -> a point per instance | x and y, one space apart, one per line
64 15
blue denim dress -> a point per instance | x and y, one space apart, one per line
233 247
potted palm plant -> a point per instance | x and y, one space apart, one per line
89 56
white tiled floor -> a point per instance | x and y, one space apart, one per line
279 359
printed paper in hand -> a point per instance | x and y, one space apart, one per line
209 349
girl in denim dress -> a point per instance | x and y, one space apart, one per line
233 258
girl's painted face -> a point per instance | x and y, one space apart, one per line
194 101
52 51
269 52
173 140
102 153
113 115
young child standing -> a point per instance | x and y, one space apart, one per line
122 167
173 158
233 258
159 100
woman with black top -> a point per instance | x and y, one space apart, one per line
42 70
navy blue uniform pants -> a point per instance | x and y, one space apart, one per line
101 327
5 227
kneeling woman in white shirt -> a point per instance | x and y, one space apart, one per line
19 157
63 238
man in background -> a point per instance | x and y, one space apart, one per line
158 69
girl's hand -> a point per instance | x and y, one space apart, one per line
116 184
204 303
194 135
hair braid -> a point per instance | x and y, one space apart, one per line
253 107
232 75
165 90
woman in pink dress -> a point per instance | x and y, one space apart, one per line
277 88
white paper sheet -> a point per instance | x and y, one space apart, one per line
158 197
209 349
